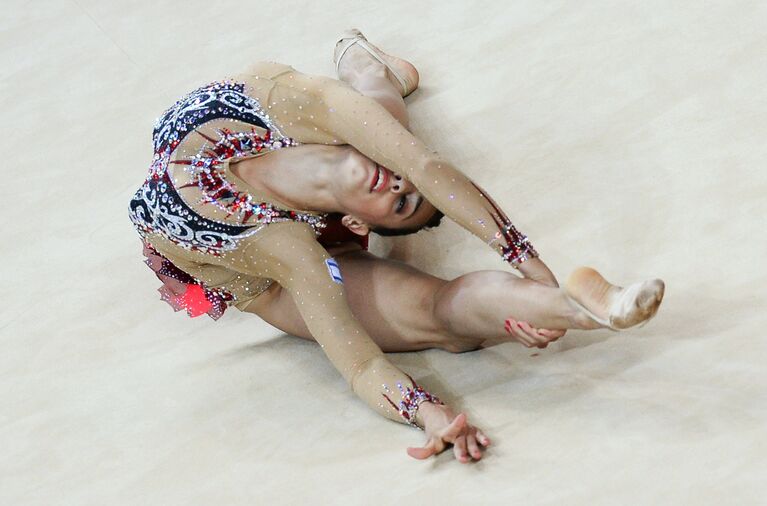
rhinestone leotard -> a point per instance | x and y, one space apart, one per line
157 207
193 211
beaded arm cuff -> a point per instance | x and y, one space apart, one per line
411 400
515 247
519 248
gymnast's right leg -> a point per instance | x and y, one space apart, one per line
404 309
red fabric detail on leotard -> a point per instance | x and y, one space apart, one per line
336 233
183 291
194 301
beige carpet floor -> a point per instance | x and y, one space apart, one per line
626 135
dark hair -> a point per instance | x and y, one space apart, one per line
434 221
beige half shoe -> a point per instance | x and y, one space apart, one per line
354 36
612 306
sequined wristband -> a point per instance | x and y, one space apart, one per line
417 404
412 398
525 251
518 248
515 247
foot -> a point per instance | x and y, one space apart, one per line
612 306
356 59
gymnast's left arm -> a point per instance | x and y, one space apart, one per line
289 254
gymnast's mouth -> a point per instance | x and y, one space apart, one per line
380 178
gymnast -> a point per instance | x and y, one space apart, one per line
261 194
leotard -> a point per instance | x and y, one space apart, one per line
215 241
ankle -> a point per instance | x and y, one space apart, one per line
583 321
578 319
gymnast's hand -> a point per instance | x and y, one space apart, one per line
530 336
443 428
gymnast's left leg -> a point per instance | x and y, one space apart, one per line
357 67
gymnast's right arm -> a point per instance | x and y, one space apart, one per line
289 254
314 109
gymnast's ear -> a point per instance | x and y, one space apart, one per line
355 224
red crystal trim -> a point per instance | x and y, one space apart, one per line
412 397
517 248
218 191
182 291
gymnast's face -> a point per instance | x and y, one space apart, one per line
373 196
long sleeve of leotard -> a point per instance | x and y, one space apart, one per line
322 110
289 254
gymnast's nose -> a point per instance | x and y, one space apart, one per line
400 185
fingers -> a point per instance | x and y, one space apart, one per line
512 327
452 431
530 336
437 444
473 447
553 335
465 447
425 452
482 438
538 340
459 449
466 441
420 453
524 333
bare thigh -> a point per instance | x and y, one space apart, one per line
392 301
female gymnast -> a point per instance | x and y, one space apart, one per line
224 224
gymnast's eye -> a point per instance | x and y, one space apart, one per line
401 204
